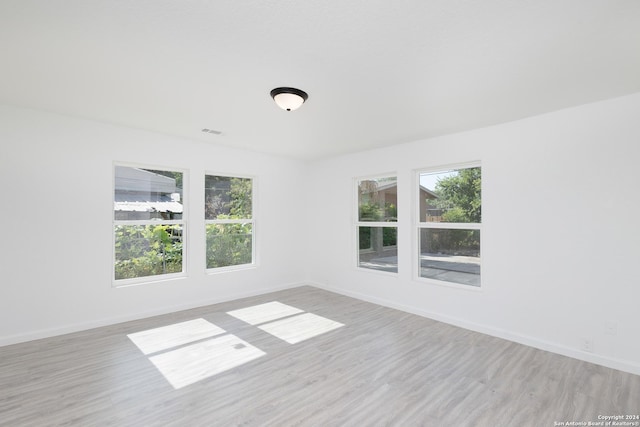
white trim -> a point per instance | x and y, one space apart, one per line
375 271
450 167
229 268
157 278
610 362
108 321
377 224
451 285
369 177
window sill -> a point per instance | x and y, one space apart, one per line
213 271
148 280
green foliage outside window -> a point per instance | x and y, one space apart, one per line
451 241
370 212
373 212
147 250
228 244
459 196
373 208
228 198
460 199
389 236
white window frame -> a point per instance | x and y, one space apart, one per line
252 221
117 283
420 225
357 224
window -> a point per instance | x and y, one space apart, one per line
148 224
449 225
376 226
229 221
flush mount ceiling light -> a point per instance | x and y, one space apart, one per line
289 98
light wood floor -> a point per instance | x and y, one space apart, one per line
382 368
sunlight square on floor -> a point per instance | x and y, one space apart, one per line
170 336
263 313
190 364
299 328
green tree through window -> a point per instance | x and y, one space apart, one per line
229 221
459 196
148 223
449 225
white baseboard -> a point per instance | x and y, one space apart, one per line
609 362
623 365
83 326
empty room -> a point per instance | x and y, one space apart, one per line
319 213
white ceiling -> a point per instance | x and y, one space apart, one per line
377 72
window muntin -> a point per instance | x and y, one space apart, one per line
229 223
376 224
449 222
148 224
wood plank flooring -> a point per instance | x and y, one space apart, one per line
374 366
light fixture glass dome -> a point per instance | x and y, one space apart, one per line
289 98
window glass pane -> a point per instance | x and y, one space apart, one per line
229 244
378 248
227 197
378 199
450 255
147 250
143 194
451 196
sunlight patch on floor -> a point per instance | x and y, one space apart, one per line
190 364
299 328
170 336
188 352
263 313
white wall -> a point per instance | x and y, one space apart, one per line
560 236
55 253
552 275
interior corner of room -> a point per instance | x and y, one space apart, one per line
334 195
